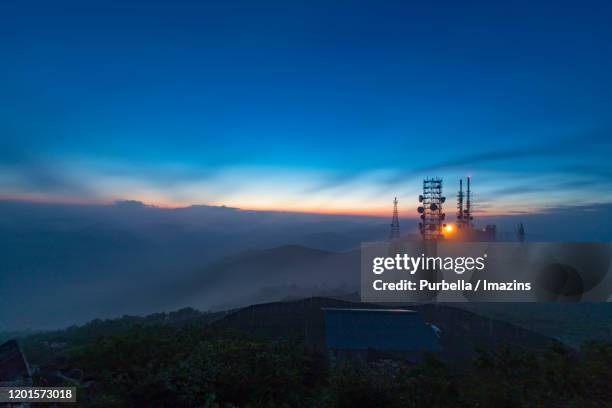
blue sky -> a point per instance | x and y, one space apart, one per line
309 106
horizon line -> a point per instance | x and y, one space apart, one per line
374 213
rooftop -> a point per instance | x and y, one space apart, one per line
347 309
379 329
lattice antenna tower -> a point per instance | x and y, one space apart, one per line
432 215
394 234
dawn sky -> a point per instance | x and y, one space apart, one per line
309 106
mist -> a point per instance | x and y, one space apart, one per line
65 264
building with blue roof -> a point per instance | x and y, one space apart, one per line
369 334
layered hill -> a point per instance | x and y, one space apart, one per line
462 333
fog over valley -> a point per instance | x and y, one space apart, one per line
65 264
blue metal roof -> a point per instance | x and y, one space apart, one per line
380 329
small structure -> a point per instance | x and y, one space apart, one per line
520 232
370 334
394 234
14 368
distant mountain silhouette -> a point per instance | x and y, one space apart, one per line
133 258
329 241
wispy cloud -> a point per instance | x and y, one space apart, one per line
506 180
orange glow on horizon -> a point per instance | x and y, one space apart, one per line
374 211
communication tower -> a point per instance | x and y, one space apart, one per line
464 206
460 215
467 214
432 216
395 228
520 232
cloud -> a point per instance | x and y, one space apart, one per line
565 166
129 204
344 180
34 173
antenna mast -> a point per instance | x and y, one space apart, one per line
468 206
520 232
460 216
